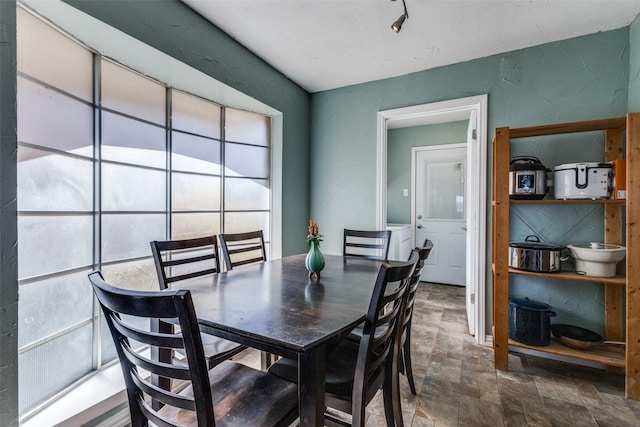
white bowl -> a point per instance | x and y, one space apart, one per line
597 259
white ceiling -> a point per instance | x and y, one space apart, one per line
326 44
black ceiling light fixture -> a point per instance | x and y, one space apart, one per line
397 26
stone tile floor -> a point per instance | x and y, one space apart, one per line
458 386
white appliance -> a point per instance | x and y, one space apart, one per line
582 180
400 243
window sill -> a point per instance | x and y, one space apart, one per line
98 395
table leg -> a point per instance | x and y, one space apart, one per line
311 386
266 359
162 355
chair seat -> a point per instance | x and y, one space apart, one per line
217 349
243 397
340 369
356 333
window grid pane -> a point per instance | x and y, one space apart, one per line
196 154
128 140
51 119
51 305
45 370
54 182
49 56
195 115
192 225
246 160
130 188
246 194
247 127
49 244
131 93
191 192
126 236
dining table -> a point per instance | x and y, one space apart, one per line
276 307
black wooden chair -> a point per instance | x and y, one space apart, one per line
405 341
355 371
178 260
366 244
231 394
242 248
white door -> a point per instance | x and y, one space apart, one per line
440 211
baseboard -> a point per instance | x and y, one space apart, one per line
488 341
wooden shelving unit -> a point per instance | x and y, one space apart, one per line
626 284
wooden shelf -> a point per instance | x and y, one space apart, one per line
587 126
569 275
571 201
610 355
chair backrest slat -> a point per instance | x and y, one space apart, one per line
152 338
162 396
178 260
182 261
191 275
163 369
242 248
366 244
150 414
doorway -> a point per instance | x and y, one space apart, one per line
439 210
473 109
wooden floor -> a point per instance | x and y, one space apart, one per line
457 385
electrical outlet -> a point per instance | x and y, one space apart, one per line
405 192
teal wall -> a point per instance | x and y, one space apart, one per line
634 66
570 80
8 227
399 144
175 29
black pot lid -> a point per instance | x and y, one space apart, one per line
536 245
523 163
529 304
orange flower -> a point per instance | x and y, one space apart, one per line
314 233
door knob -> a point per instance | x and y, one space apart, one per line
419 226
463 228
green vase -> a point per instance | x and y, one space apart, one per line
314 260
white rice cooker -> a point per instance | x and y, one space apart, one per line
583 180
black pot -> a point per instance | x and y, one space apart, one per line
529 321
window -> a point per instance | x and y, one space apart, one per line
108 160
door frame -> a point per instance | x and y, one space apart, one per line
443 112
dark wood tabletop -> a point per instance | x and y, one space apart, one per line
274 306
